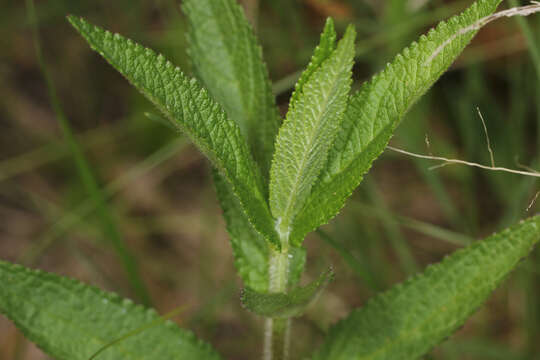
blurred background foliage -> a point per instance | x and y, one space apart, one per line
90 187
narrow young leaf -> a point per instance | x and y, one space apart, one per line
327 45
281 305
374 112
71 321
409 319
307 133
228 60
192 110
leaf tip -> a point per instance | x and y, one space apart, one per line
329 25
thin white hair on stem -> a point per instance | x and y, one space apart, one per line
526 10
447 161
487 137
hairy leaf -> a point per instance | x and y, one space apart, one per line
327 45
250 251
285 305
71 321
297 260
228 60
192 110
307 133
376 109
409 319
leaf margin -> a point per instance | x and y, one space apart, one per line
383 306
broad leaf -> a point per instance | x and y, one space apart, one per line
71 321
308 131
285 305
376 109
192 110
228 60
409 319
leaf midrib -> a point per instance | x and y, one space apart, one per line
416 329
452 300
293 194
100 341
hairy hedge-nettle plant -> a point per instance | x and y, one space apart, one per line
277 180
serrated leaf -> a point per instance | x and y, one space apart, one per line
307 133
285 305
251 252
159 120
327 45
228 60
409 319
191 109
374 112
71 321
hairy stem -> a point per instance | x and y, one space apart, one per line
277 331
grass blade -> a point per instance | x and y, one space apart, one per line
85 172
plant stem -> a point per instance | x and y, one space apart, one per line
277 331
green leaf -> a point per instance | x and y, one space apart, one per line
190 108
297 260
327 45
308 131
281 305
251 252
374 112
71 321
409 319
228 60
